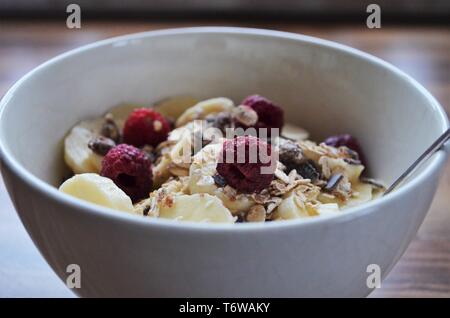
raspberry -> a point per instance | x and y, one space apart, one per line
348 141
145 126
246 176
130 169
269 114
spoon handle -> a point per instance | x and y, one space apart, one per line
423 157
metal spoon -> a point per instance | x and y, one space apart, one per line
423 157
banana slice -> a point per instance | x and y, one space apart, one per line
173 107
99 190
328 209
204 108
353 172
197 208
290 209
327 198
294 132
338 165
362 192
77 154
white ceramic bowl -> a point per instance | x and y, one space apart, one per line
324 87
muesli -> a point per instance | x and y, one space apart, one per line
213 161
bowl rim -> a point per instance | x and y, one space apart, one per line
351 213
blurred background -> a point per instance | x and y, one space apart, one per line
414 36
414 10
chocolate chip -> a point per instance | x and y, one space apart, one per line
101 145
333 181
352 161
353 154
221 121
146 210
240 218
110 129
289 151
308 170
150 152
291 155
373 182
219 180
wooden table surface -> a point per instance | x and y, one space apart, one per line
423 52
